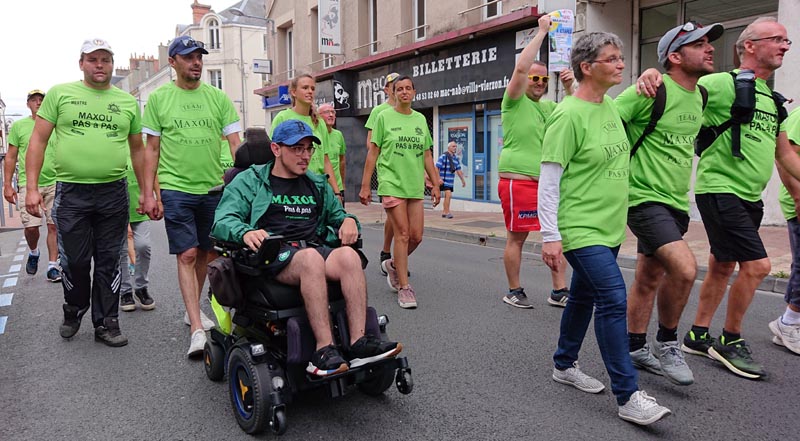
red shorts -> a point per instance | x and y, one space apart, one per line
520 202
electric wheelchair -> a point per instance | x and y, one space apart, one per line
265 344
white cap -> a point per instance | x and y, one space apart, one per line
95 44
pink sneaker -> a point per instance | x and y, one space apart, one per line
406 298
391 274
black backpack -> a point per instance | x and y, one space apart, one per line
709 134
658 111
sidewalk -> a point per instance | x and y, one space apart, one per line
489 229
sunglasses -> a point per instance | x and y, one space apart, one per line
688 27
191 42
537 78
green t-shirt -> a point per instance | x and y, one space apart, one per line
523 130
373 115
317 162
589 142
402 140
19 136
661 169
225 158
336 150
189 123
133 195
718 171
91 129
792 125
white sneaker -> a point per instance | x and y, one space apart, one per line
575 377
642 409
207 322
786 335
197 344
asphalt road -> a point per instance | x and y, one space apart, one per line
481 368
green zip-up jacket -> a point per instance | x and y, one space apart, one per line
248 196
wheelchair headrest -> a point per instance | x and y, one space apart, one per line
255 150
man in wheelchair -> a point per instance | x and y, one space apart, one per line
283 198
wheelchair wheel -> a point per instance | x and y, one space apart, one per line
378 384
278 422
405 383
248 386
214 360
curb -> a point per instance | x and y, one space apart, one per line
769 284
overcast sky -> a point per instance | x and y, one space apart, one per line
41 39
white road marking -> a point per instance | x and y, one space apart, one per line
5 299
18 258
15 268
21 249
3 324
11 281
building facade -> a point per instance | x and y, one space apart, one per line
460 55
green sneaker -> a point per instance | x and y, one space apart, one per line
737 357
697 344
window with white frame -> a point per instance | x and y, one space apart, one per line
327 61
213 34
419 19
492 9
373 26
215 78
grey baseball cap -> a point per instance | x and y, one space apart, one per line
685 34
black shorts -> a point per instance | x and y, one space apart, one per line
732 226
445 188
287 252
656 225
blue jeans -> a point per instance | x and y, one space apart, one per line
792 296
597 283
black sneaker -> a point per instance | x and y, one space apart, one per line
384 256
697 344
109 334
369 348
126 302
72 320
517 299
32 265
53 275
326 361
736 356
559 297
145 301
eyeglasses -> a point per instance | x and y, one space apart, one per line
688 27
299 150
537 78
777 39
191 42
612 60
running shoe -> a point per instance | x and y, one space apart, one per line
384 257
575 377
32 265
642 409
643 358
54 275
391 274
326 361
369 348
147 303
786 335
697 344
109 334
559 297
407 298
672 362
518 299
126 302
737 357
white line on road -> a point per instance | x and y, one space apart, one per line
18 258
11 281
21 249
5 299
3 324
15 268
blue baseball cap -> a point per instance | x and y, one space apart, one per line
185 45
292 131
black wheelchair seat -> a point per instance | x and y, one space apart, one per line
260 291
